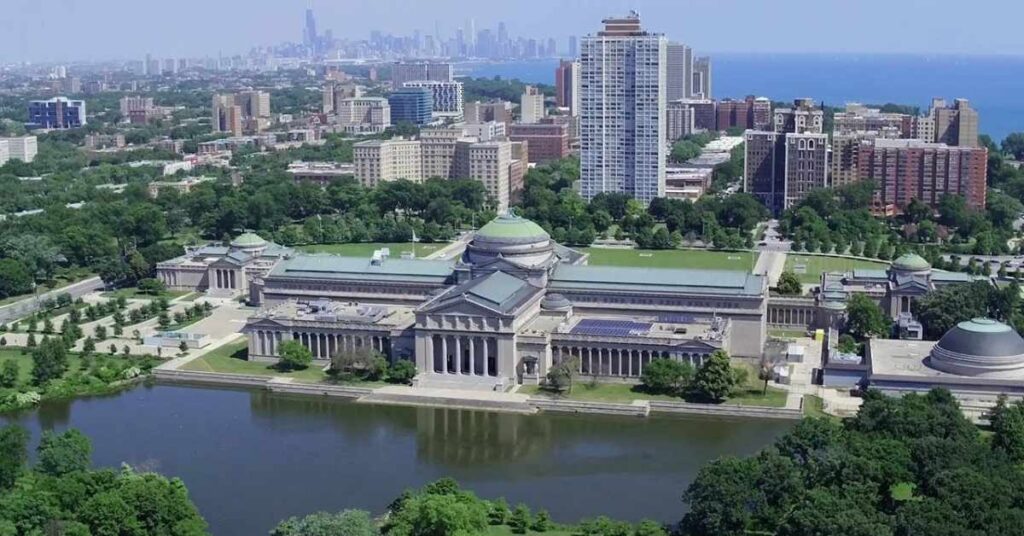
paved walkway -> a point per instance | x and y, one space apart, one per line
771 263
451 250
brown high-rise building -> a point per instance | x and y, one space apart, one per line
567 86
911 169
546 141
750 113
956 125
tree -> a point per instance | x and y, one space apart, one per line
182 347
88 346
542 522
499 512
403 371
1014 145
766 374
789 284
439 509
153 287
49 361
294 356
561 376
714 379
9 373
667 376
100 332
520 521
344 523
865 318
13 454
15 278
1007 421
31 341
60 454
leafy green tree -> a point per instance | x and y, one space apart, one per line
499 512
1013 145
562 375
667 376
49 361
108 513
344 523
294 356
439 511
542 522
60 454
88 346
789 284
15 278
9 373
402 371
13 454
865 318
520 521
1007 421
714 379
31 341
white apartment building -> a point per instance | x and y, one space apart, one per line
485 131
22 148
531 106
489 163
388 160
622 119
448 96
364 115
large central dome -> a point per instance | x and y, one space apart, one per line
515 239
980 347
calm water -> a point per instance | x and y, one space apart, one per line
992 83
252 458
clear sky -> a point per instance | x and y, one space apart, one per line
42 30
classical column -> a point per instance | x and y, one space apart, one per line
458 354
472 356
629 364
487 356
444 354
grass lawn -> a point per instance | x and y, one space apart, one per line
787 333
366 249
230 359
675 258
817 265
621 393
132 293
74 364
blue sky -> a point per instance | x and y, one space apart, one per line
94 29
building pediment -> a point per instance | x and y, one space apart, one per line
460 305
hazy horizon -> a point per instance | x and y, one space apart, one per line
89 30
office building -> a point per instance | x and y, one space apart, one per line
955 125
567 86
402 73
486 131
226 115
411 105
56 113
679 121
447 97
246 112
22 148
622 117
545 141
679 72
489 163
138 110
335 91
481 112
531 106
364 115
701 80
380 161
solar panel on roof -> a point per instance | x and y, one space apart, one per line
611 328
677 319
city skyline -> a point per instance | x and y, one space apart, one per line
906 27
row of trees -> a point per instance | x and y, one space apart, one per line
713 381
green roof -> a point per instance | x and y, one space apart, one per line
911 262
598 278
362 269
983 325
248 240
512 226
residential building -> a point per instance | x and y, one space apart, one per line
402 73
138 110
364 115
104 141
531 106
447 97
489 163
545 141
912 169
322 174
955 125
858 118
245 112
780 168
701 84
704 113
751 113
380 161
335 91
486 131
56 113
567 86
678 72
803 117
22 148
411 105
226 115
481 112
678 120
622 120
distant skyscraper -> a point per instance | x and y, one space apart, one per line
309 37
622 117
574 49
701 84
531 106
679 72
567 86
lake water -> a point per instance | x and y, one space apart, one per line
251 458
994 84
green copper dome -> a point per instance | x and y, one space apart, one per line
911 262
248 240
511 227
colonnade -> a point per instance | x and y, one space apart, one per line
322 345
790 316
624 362
225 278
469 355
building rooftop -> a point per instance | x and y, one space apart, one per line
723 282
359 268
512 226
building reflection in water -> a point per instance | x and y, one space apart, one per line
461 437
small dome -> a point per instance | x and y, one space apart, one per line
979 347
911 262
555 302
835 306
248 240
509 227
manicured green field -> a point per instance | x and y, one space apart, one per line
675 258
230 359
132 293
366 249
749 395
817 265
